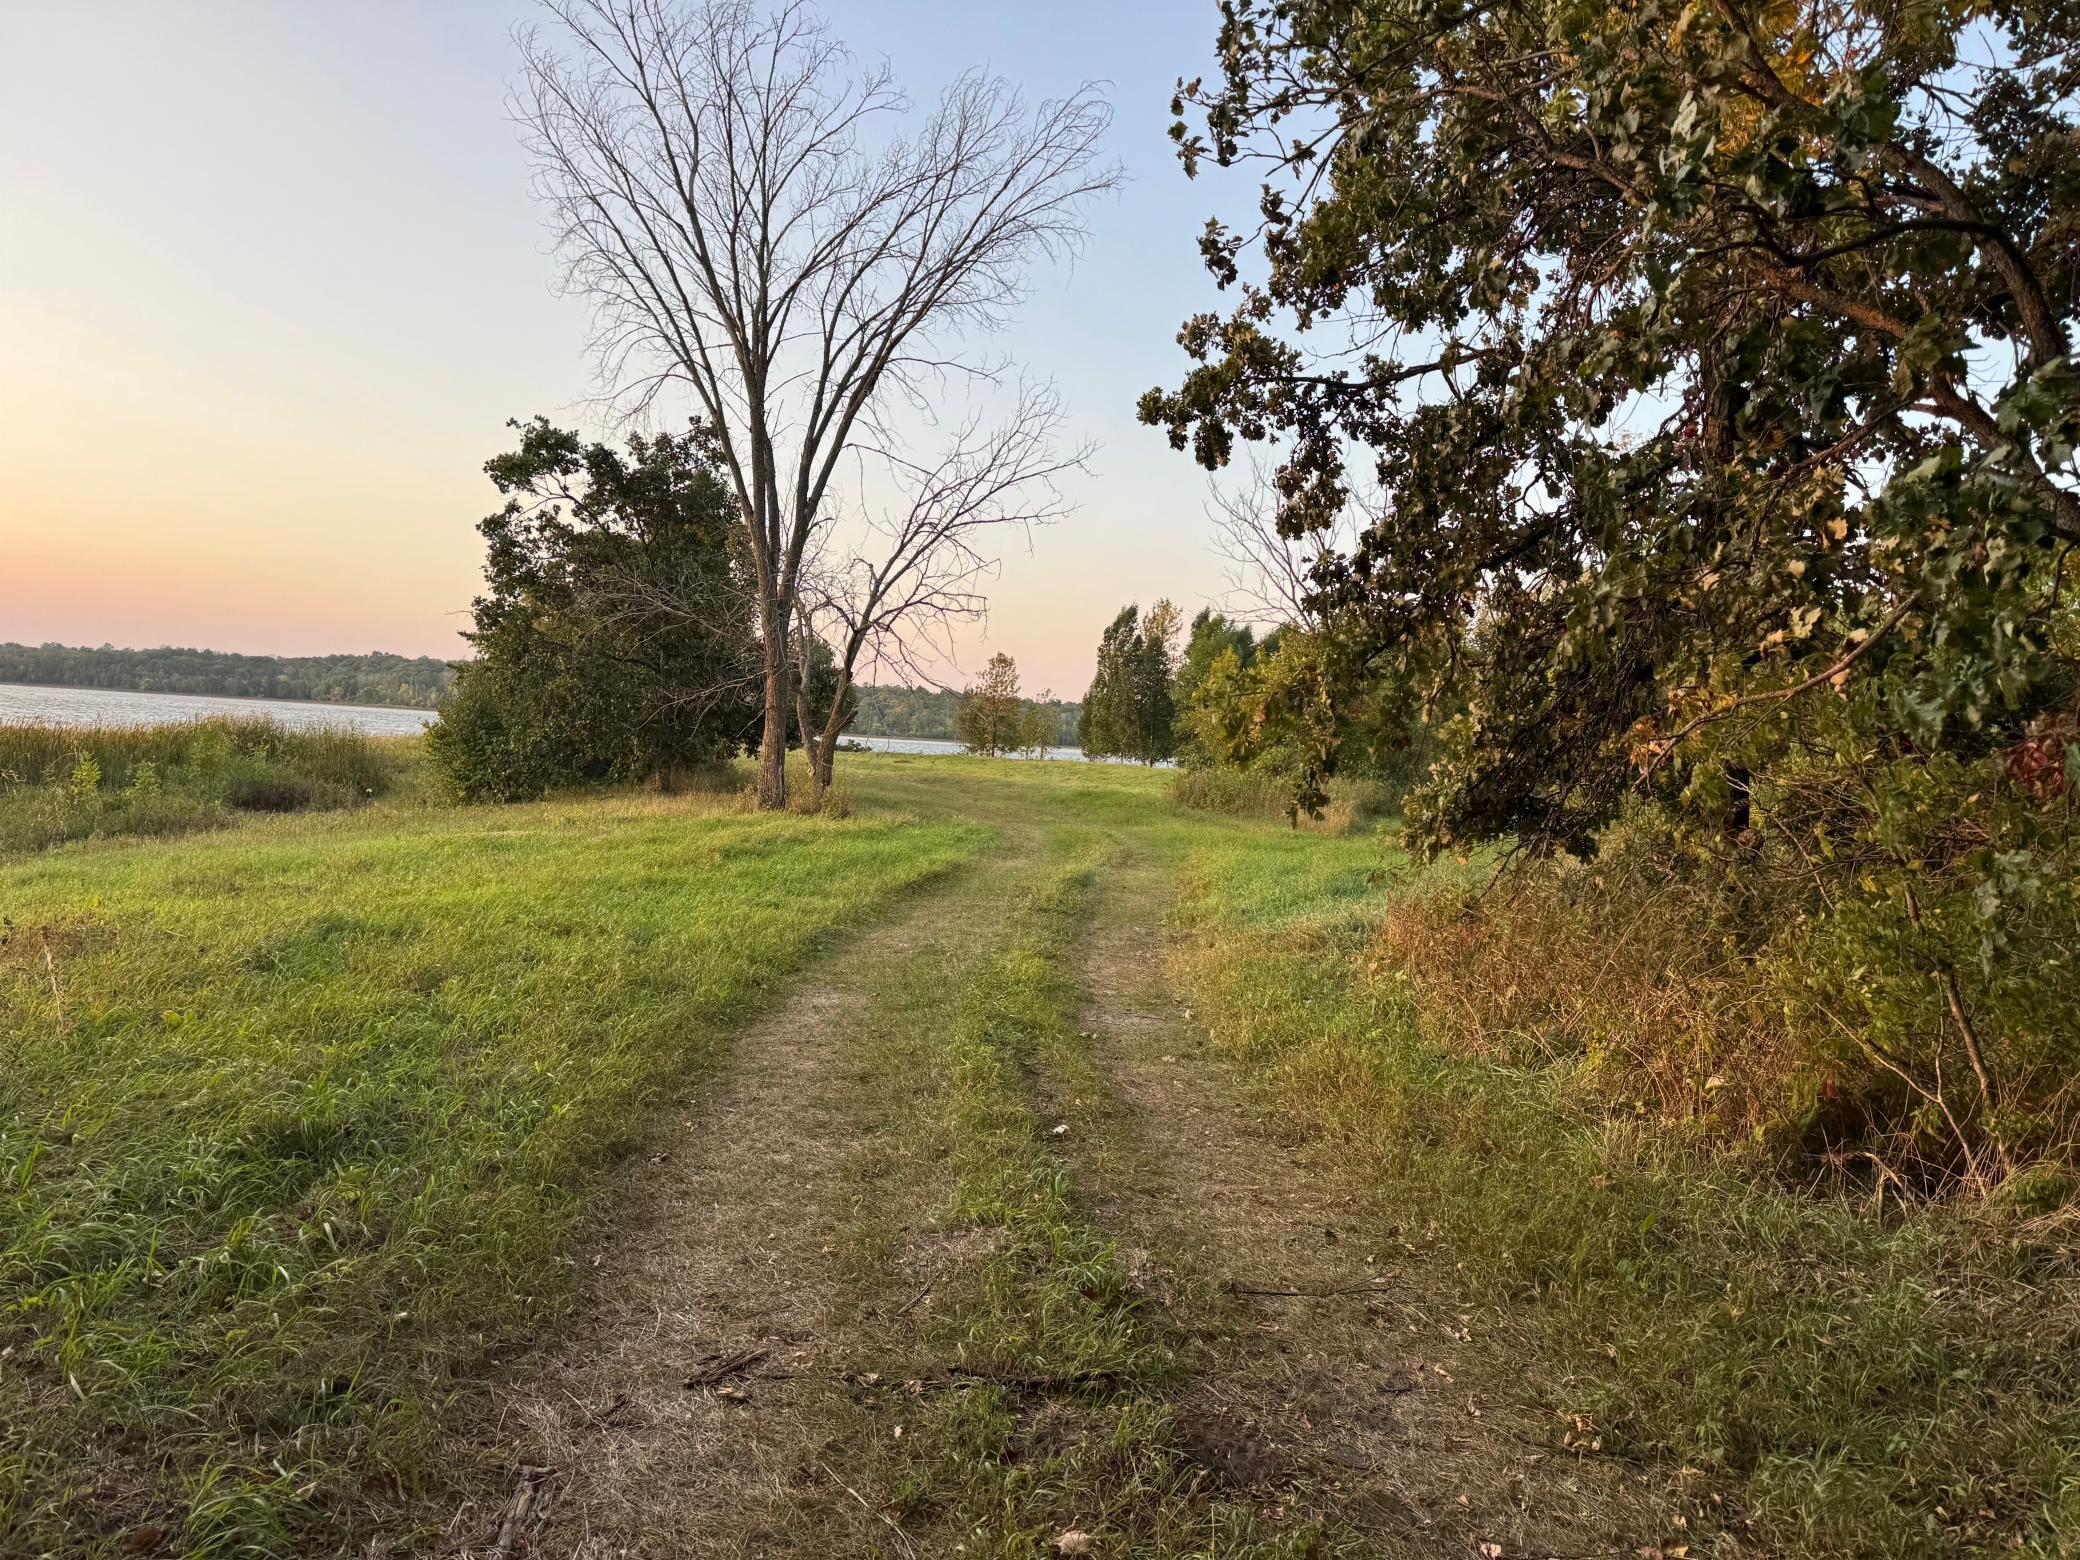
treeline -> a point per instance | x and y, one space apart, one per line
415 682
933 713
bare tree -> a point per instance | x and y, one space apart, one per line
1271 575
918 572
737 199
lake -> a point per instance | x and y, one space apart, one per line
21 703
936 745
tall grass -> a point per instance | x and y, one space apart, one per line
1821 1377
62 783
1248 793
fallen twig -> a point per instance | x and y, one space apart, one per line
915 1300
1375 1287
50 965
1072 1380
720 1367
531 1481
602 1417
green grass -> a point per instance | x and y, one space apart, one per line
1056 1416
1836 1384
296 1119
61 783
1819 1379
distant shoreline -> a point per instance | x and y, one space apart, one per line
243 698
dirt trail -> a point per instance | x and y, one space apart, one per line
1366 1397
729 1256
778 1238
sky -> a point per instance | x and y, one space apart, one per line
271 284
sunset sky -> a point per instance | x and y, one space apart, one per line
271 282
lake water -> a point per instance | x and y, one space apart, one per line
936 745
20 702
121 707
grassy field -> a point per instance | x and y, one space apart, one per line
1819 1380
1814 1377
299 1118
296 1118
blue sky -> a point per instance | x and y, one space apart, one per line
271 282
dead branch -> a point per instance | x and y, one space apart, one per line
1374 1287
509 1531
919 571
1270 576
719 1367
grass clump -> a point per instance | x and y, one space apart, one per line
61 783
296 1122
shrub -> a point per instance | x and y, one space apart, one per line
1875 972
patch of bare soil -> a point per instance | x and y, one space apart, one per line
1332 1366
694 1405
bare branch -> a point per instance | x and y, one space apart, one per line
1270 575
740 203
921 571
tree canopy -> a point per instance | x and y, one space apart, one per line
993 719
1701 354
593 659
1131 707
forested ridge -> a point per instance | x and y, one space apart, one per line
415 682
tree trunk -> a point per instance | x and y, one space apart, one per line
833 728
772 747
810 756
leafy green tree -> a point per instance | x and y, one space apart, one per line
1036 729
613 642
1212 636
1155 670
991 718
1129 710
1105 723
1709 371
1280 710
1709 357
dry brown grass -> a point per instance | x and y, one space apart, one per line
1352 804
1645 992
